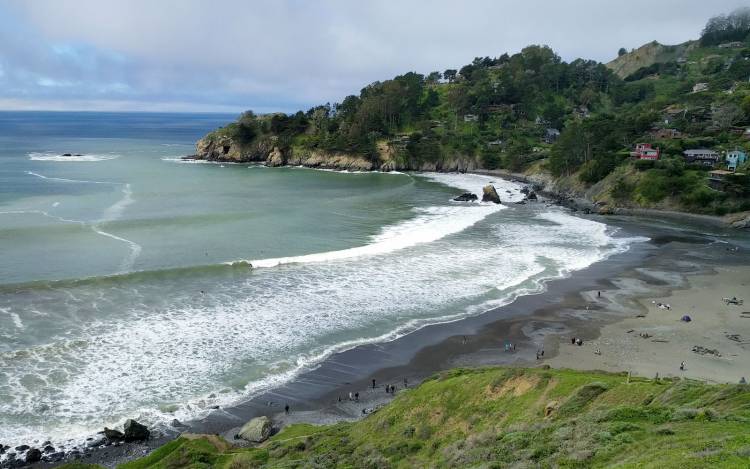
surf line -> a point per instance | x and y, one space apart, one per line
110 214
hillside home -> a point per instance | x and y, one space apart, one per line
666 134
732 45
644 151
551 135
735 158
701 156
698 87
471 118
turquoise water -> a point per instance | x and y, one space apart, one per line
133 284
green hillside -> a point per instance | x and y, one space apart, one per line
501 417
497 112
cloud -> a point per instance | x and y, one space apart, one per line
289 54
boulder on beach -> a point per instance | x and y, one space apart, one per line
489 194
135 431
33 455
113 435
531 195
466 197
256 430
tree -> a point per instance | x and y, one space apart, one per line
450 75
622 52
434 77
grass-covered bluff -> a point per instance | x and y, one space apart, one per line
499 113
509 417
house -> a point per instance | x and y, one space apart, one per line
666 134
698 87
732 45
735 158
495 143
471 118
551 135
581 112
644 151
701 156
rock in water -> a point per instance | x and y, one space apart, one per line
256 430
466 197
33 455
134 431
113 435
489 194
531 195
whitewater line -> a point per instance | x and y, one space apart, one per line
111 213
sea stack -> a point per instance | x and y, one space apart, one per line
489 194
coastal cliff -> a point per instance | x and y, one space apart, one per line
266 150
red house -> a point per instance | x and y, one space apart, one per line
644 151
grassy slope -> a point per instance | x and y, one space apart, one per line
495 417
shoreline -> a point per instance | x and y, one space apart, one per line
542 320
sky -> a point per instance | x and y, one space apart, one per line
285 55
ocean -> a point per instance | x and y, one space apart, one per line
134 284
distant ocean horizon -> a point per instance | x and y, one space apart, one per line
134 284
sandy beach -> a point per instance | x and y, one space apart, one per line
715 344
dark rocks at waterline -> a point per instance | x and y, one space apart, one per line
489 194
22 448
531 195
525 190
33 455
49 449
113 435
466 197
135 431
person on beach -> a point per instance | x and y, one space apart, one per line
373 384
573 341
406 383
682 366
286 409
356 397
598 294
339 398
597 351
351 396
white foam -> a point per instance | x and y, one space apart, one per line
55 157
14 317
80 181
507 190
430 224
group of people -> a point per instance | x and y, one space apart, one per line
661 305
575 341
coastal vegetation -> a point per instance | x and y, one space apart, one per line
534 113
509 417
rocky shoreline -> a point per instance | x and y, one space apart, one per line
226 150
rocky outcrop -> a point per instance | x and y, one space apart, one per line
466 197
256 430
33 455
222 148
113 435
489 194
134 431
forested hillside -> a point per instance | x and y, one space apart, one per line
534 112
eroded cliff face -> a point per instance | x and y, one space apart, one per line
266 151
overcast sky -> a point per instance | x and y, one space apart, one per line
231 55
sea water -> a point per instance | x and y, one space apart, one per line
134 284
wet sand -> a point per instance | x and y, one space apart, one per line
546 321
